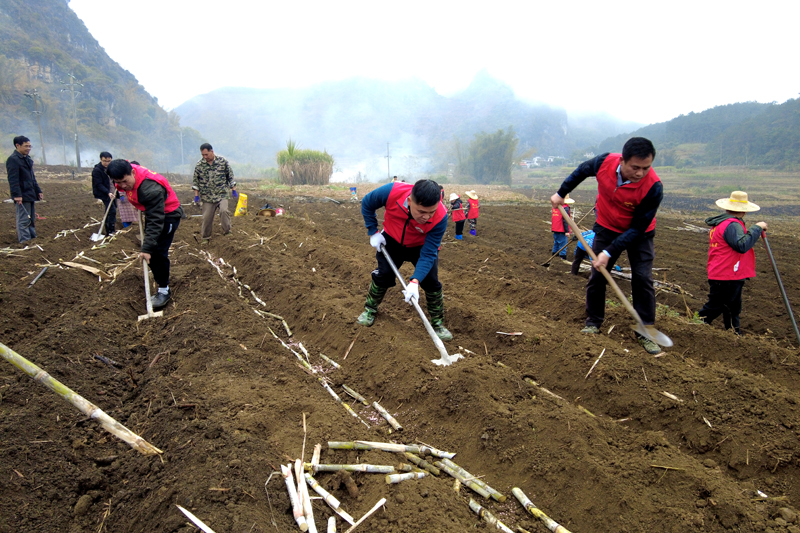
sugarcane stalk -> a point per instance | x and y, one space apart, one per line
494 494
405 467
389 418
355 395
397 478
346 407
389 447
329 360
422 463
468 482
305 498
488 517
549 523
369 513
316 454
329 498
81 403
196 521
297 507
371 469
331 524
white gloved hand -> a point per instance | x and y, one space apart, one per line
411 291
377 240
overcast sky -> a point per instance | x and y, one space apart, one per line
647 61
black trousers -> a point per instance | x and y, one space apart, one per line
384 277
580 255
460 227
640 255
159 256
724 298
111 219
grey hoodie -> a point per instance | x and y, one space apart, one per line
734 235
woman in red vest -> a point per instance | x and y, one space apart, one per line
151 193
628 195
731 259
458 215
560 228
473 212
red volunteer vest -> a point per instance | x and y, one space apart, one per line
557 221
725 263
474 207
400 225
142 174
458 214
615 205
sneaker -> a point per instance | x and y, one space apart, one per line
648 345
367 318
592 330
204 242
442 332
160 299
226 233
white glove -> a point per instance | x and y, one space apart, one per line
411 291
377 240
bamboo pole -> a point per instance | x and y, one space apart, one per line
355 395
488 517
369 513
422 463
397 478
82 404
389 418
468 482
297 507
549 523
389 447
329 498
494 494
371 469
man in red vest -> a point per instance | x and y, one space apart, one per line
628 195
560 229
413 226
731 259
151 193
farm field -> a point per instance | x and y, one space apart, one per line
210 386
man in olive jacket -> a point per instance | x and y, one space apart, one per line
24 189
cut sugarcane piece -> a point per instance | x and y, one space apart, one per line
329 498
297 507
369 513
422 463
466 482
405 467
82 404
488 517
370 469
331 524
316 454
196 521
389 447
389 418
549 523
305 498
346 407
355 395
466 475
329 360
397 478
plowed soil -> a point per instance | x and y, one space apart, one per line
209 385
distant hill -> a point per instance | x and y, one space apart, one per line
355 118
746 133
42 42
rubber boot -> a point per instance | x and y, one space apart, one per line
435 302
472 232
374 298
459 237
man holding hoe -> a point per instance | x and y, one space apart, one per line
414 223
628 195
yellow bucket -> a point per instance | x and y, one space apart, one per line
241 206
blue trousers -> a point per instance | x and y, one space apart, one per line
559 240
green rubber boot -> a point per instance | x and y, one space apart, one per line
374 298
435 302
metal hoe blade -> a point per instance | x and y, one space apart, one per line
446 359
99 235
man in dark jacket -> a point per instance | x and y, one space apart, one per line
102 190
24 189
151 193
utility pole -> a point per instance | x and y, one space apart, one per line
74 91
64 144
181 146
36 97
388 172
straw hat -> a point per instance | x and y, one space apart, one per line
453 197
568 200
738 203
472 194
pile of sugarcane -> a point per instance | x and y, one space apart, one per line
304 167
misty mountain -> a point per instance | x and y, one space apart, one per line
353 120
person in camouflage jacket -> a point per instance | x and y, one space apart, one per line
213 176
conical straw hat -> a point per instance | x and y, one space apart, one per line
737 202
568 200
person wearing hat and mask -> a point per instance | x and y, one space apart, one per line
731 259
473 211
414 223
458 215
629 193
560 228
